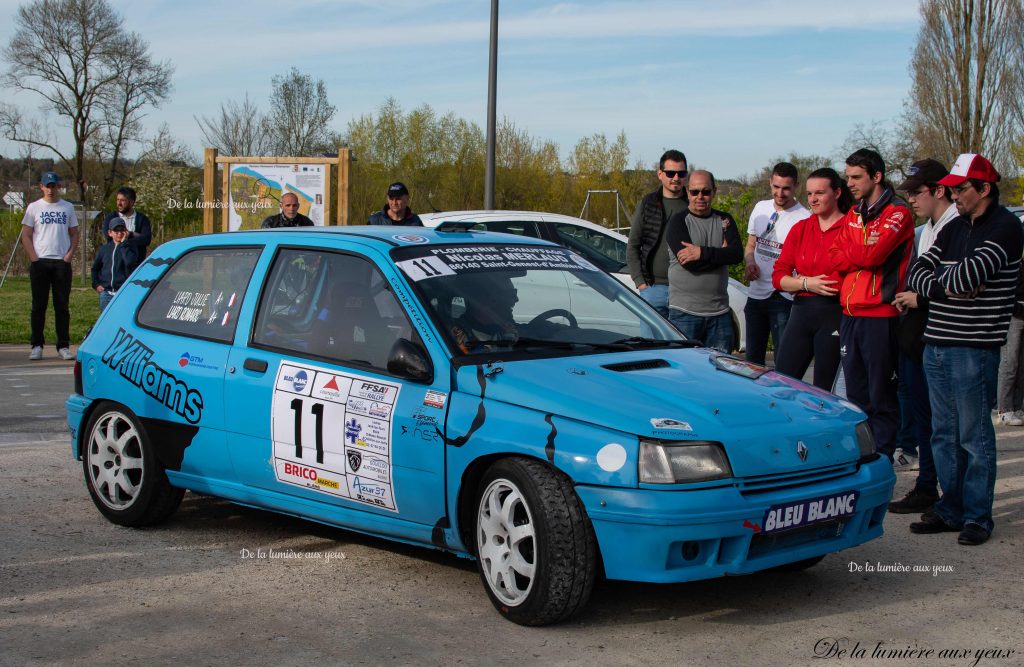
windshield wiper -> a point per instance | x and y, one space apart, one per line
640 341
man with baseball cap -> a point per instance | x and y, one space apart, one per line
933 202
396 211
970 276
49 234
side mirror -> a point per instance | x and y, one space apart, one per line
410 361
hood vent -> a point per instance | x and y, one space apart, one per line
645 365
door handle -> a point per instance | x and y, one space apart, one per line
256 365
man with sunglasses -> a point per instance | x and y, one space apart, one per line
647 252
702 243
49 234
767 309
933 202
970 276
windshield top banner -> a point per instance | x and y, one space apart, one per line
434 262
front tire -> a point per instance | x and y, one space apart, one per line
125 479
535 546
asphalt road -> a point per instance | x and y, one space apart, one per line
220 584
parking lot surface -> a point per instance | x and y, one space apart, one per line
221 584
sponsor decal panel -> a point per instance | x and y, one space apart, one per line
434 399
332 433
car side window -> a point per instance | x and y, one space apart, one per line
603 250
517 227
201 294
330 305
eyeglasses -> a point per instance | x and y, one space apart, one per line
707 192
673 173
963 187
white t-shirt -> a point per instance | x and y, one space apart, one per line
50 224
771 228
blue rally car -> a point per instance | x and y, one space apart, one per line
497 397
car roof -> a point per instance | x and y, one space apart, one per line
387 236
434 219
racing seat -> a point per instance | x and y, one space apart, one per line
352 328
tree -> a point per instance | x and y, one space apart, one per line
968 79
76 56
164 178
241 130
300 115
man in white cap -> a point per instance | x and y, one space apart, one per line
970 277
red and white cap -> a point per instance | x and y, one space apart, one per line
971 166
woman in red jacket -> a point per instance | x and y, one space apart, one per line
802 268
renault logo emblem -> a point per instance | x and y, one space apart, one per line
801 450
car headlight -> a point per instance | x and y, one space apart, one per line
683 462
865 440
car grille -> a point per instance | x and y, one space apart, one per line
764 483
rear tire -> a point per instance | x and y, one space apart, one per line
125 479
535 546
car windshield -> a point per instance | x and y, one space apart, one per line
529 298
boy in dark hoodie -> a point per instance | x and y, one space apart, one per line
114 263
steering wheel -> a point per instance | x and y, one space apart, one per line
556 312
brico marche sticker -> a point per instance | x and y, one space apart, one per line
332 433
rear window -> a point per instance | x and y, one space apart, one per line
201 294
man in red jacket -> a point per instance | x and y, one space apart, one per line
871 254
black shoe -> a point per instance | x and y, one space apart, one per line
914 502
930 523
972 535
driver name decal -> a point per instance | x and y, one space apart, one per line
332 433
131 358
451 260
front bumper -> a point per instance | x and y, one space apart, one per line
668 536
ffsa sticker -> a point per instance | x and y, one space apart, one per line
332 433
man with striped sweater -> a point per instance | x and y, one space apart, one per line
970 276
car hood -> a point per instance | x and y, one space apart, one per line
680 394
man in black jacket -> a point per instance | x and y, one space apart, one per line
289 215
140 231
647 253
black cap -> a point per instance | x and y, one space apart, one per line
923 172
397 189
118 224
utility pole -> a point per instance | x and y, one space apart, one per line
492 84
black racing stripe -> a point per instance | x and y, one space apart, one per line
481 412
549 448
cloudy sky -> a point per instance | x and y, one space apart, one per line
733 83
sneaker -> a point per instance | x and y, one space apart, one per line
930 523
972 535
36 354
1009 419
914 502
65 354
904 460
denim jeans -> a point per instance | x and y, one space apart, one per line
657 296
105 298
1011 368
714 331
962 388
765 316
917 411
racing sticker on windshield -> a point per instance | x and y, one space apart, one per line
808 512
425 263
332 433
